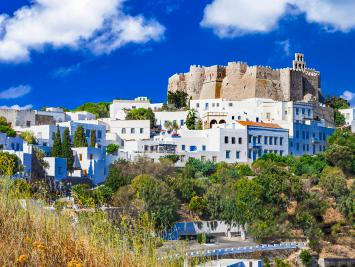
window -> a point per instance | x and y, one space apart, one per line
141 130
281 141
206 105
87 133
298 146
240 140
307 147
297 134
309 112
91 156
237 155
17 147
193 148
99 134
214 158
265 151
303 111
183 147
232 117
270 140
249 138
226 140
249 153
297 111
197 105
28 123
203 148
182 122
123 130
239 117
275 140
228 154
268 115
304 147
233 140
281 153
257 119
265 140
133 130
259 139
80 157
230 104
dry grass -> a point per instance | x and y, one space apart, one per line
33 236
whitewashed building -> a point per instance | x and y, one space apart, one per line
118 108
349 115
79 116
178 117
57 168
91 164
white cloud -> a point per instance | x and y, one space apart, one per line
229 18
15 92
285 46
348 95
66 71
17 107
72 23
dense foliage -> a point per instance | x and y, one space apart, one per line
112 149
9 164
142 114
5 128
100 110
80 138
178 99
337 103
28 137
57 145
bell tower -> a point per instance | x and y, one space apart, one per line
299 63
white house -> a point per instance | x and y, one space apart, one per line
118 107
58 114
88 125
18 117
91 162
119 131
349 115
79 116
44 134
11 143
57 167
178 117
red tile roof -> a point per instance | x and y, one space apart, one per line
259 124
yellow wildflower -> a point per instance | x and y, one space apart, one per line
22 259
75 263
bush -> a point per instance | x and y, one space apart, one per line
306 258
112 149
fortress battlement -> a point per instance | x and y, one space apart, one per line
238 81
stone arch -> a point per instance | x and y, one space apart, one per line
213 122
222 122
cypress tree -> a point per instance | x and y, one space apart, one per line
57 145
92 138
80 138
66 148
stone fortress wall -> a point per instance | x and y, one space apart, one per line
238 81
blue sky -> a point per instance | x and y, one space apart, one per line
68 52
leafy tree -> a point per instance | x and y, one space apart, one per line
179 99
197 205
347 205
92 138
38 164
102 194
224 173
9 164
80 138
333 181
66 149
117 177
57 145
3 121
191 119
194 166
160 200
142 114
306 258
100 110
244 170
7 130
281 263
337 103
29 137
83 195
112 149
173 158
